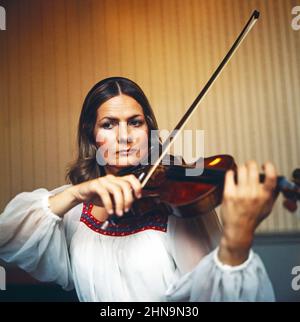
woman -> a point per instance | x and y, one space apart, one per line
59 236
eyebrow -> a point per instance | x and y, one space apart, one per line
112 118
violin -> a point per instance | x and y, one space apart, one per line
167 189
171 192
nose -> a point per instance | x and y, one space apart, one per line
124 133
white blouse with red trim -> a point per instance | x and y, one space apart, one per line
142 259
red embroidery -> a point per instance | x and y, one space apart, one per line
125 227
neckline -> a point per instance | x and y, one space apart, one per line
126 226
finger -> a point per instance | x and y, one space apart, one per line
253 174
105 198
135 184
242 179
127 192
229 185
117 194
270 176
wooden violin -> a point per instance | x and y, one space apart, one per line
172 192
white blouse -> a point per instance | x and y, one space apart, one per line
160 259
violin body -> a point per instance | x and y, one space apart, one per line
173 192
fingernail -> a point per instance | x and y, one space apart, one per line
110 211
126 209
120 212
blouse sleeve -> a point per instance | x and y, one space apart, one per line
34 238
200 275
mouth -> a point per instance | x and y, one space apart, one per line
126 152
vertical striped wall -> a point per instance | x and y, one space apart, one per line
53 51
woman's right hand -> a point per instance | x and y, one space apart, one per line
115 194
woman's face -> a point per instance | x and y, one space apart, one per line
121 133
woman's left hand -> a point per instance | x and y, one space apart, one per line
245 205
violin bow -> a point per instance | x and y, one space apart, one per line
146 175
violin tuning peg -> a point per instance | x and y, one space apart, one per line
296 175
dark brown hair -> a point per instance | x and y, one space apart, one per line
85 166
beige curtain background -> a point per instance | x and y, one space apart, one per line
53 52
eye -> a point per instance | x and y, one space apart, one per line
136 122
107 125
